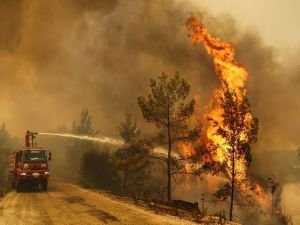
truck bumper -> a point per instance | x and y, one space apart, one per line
33 178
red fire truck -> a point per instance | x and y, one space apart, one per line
28 166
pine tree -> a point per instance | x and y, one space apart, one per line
167 108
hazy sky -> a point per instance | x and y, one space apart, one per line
276 20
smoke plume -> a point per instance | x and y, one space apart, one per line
61 56
58 57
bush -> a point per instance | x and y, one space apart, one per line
6 145
97 171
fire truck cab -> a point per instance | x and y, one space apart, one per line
29 166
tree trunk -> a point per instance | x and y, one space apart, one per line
169 158
169 168
124 188
232 185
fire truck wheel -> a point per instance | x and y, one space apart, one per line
18 186
45 185
11 182
12 185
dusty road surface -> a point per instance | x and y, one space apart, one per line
67 204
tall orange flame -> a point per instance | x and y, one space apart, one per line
234 75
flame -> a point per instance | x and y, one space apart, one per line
234 75
187 151
259 190
223 54
261 197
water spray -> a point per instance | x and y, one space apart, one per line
106 140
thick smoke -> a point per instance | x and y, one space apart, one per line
61 56
58 57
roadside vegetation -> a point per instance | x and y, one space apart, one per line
149 166
7 144
134 169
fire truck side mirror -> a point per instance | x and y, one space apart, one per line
49 157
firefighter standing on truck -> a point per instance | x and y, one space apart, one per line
27 139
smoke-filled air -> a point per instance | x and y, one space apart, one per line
149 112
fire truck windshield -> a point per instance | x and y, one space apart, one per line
34 156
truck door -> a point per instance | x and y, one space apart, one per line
18 159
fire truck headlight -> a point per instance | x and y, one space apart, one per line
47 173
23 174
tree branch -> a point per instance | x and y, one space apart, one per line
189 173
159 158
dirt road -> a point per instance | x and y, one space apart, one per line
67 204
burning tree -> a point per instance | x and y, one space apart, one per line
232 128
167 109
237 132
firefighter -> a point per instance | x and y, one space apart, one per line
27 139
